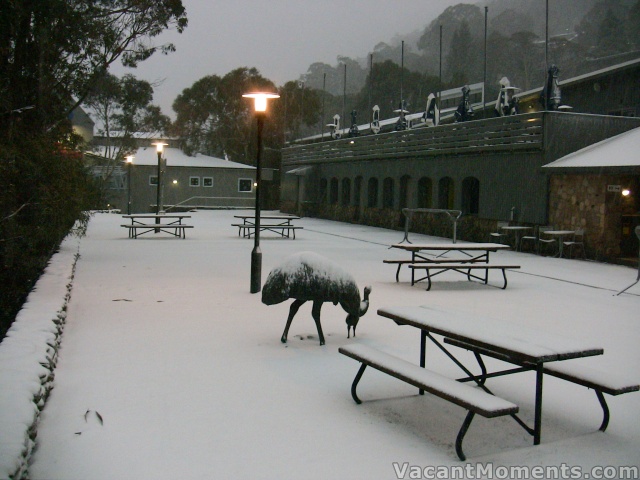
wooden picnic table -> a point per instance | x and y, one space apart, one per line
423 254
167 223
280 224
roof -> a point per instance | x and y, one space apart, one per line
587 76
619 151
177 158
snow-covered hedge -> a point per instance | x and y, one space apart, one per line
28 356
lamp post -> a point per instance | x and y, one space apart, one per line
159 188
129 163
260 106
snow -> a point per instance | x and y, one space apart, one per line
618 151
177 158
164 342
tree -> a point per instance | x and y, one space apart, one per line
54 51
214 119
52 54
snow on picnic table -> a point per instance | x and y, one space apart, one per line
186 369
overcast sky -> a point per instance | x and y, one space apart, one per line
281 38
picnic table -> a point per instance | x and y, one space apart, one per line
560 234
472 256
526 348
517 230
280 224
167 223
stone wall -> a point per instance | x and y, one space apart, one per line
583 201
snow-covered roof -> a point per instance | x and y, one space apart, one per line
177 158
619 151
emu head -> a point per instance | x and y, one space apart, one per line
353 318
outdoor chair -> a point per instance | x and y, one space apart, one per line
499 235
576 241
531 238
545 241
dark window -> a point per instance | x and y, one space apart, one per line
404 191
471 195
333 191
387 192
425 191
372 193
346 191
445 193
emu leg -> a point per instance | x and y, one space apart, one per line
315 312
295 306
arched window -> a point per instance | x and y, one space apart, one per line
346 191
471 195
404 191
425 192
323 190
372 193
333 191
446 193
357 191
387 193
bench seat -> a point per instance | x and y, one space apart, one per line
464 268
156 226
475 400
600 381
270 227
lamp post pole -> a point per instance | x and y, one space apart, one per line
129 163
260 102
256 253
159 190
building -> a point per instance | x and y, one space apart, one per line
189 182
491 169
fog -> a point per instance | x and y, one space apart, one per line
281 38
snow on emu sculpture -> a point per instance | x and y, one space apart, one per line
307 276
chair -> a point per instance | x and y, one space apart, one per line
499 234
531 238
545 241
576 241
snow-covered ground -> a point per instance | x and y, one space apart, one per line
169 368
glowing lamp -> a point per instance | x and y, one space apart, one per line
260 99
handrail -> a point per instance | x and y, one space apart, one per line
498 134
408 213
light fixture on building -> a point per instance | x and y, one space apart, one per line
626 192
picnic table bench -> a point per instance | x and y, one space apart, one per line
173 225
464 268
474 400
526 348
279 224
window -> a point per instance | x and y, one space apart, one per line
194 181
387 192
357 191
425 191
346 191
245 184
445 193
207 181
372 193
471 195
333 191
323 190
404 191
153 180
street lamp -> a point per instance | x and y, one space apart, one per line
260 106
129 159
160 186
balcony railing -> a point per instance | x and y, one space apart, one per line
519 132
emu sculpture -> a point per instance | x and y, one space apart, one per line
307 276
